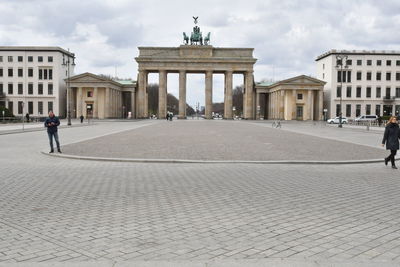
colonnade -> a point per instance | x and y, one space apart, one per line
248 97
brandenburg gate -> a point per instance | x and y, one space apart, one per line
195 58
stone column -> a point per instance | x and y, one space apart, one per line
96 103
228 95
141 107
294 101
162 94
248 96
182 94
79 102
320 105
258 107
209 84
311 104
107 103
133 109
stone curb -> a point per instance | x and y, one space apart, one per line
302 162
38 129
220 263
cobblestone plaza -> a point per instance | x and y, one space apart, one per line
102 213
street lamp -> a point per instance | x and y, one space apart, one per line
67 63
341 63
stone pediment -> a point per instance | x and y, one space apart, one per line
302 79
88 77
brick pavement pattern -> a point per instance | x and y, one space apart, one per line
55 209
220 140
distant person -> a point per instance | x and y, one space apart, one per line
52 122
391 139
379 121
81 117
171 116
27 117
167 117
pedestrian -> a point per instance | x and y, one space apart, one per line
391 139
171 116
27 117
379 121
52 122
167 117
81 117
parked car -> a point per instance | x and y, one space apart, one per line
366 118
336 120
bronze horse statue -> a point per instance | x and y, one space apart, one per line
207 39
185 38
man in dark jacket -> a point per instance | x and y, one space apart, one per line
391 139
52 122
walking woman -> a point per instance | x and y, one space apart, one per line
391 139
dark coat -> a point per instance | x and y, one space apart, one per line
52 124
391 136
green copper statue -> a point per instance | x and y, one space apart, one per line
196 36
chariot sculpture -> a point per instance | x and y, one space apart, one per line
196 37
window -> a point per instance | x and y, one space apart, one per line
388 62
89 94
20 58
358 93
40 108
348 91
379 62
20 89
50 74
30 107
323 75
397 76
378 92
49 59
397 62
10 59
323 66
30 89
359 62
337 110
1 72
344 76
358 110
10 89
1 58
50 89
30 59
369 62
369 92
20 72
388 92
1 89
40 59
378 110
30 72
338 91
40 74
49 106
348 110
369 74
299 96
358 75
40 89
11 106
20 107
10 72
378 76
349 76
368 109
45 74
349 62
388 76
397 91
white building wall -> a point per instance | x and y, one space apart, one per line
329 75
57 98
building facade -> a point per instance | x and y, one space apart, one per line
95 96
297 98
370 82
32 79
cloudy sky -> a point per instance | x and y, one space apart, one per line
287 34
